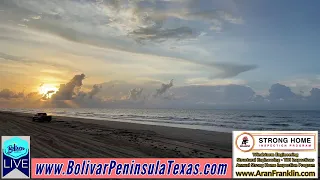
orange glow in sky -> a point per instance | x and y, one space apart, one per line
47 89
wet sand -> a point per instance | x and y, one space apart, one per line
75 137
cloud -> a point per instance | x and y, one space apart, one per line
95 90
194 96
229 70
113 26
214 82
280 92
8 94
215 17
70 90
122 90
144 21
163 89
32 95
22 25
230 18
259 98
28 61
218 94
238 93
82 95
36 17
11 57
140 20
47 95
13 99
135 94
216 26
161 35
315 94
156 32
302 84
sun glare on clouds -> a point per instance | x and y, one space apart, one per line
47 89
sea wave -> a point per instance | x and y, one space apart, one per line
253 116
218 120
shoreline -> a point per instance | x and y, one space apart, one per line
172 125
115 139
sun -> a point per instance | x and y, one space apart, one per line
47 90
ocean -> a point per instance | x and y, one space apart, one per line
210 120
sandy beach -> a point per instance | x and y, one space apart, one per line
75 137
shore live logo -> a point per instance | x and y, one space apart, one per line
15 157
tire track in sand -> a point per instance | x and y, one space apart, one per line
48 140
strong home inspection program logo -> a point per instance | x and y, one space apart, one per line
245 142
15 157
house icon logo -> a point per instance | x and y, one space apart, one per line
245 142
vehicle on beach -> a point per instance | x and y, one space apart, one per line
41 117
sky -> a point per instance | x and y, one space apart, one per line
124 53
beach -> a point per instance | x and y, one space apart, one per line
78 137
